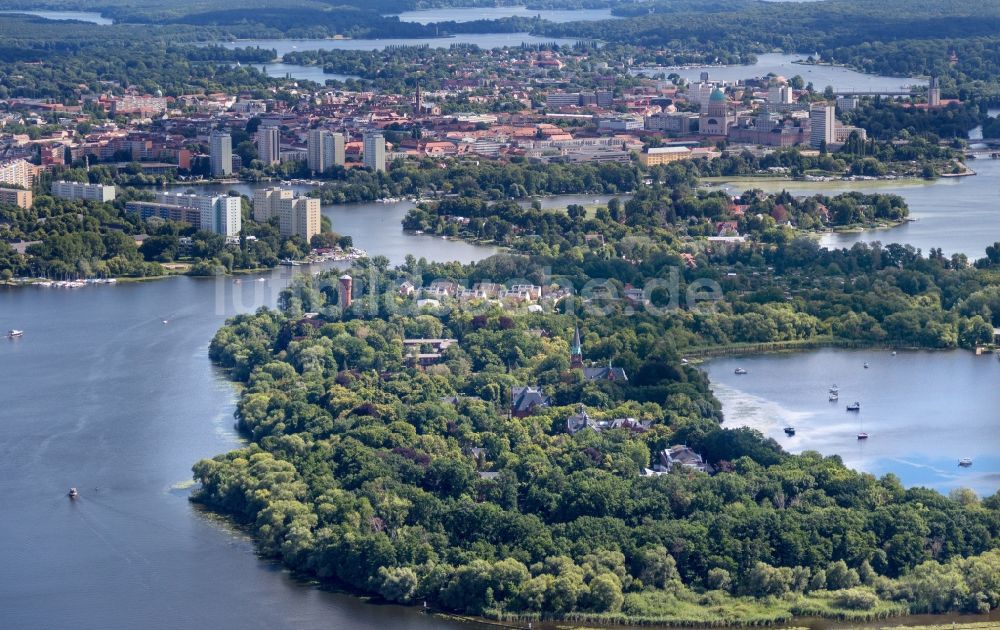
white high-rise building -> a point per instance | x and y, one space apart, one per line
300 216
221 151
87 192
221 214
374 151
267 202
17 172
269 144
821 124
325 149
780 95
296 215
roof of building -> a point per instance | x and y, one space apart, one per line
661 150
717 95
525 399
606 373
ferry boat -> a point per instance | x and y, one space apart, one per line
854 406
739 371
965 462
73 493
13 333
789 431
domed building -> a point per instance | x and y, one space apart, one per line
717 118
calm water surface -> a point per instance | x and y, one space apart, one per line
959 215
300 72
923 410
79 16
842 79
100 394
470 14
483 40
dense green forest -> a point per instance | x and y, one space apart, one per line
417 485
769 218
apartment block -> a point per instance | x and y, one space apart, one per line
17 172
325 149
269 144
16 197
296 215
87 192
220 214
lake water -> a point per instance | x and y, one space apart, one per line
470 14
842 79
956 214
923 410
483 40
101 395
977 133
302 73
79 16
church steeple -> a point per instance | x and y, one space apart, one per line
576 350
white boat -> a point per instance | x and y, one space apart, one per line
866 365
739 370
861 428
834 397
13 333
854 406
965 462
73 493
834 389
